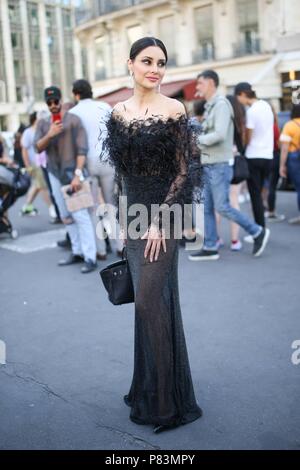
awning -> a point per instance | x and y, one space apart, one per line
185 89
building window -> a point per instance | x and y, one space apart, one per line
13 13
247 13
52 43
19 94
3 123
67 24
33 15
134 33
68 40
15 40
35 41
166 29
18 68
100 46
37 69
204 34
50 19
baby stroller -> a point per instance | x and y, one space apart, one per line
13 184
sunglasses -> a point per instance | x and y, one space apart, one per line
51 102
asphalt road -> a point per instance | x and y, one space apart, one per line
69 352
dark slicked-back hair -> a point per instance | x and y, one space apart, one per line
148 41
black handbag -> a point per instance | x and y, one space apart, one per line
240 169
117 281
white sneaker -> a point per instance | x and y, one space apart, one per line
237 246
52 212
274 217
248 239
295 220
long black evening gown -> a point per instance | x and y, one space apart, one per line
151 158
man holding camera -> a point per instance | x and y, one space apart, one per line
64 139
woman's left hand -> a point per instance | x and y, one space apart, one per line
156 239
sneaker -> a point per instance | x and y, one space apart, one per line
89 266
65 243
248 239
220 243
204 255
236 245
28 209
261 241
295 220
57 220
52 212
72 259
101 257
274 217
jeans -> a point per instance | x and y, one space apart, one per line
47 179
81 231
293 165
217 179
259 169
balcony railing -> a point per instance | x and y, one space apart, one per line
247 47
104 7
206 51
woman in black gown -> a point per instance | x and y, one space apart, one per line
148 143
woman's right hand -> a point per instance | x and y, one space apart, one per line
155 239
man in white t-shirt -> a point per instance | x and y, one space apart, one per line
259 145
94 115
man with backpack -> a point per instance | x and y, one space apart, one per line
216 144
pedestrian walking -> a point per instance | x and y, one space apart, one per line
259 145
39 185
93 115
65 141
290 154
216 144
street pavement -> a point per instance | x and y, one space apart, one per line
69 352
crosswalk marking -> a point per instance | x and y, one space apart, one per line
33 242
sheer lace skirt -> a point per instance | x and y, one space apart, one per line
162 390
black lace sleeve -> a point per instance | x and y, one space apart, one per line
186 187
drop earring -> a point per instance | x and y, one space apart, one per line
132 79
158 88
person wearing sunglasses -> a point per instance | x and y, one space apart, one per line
64 139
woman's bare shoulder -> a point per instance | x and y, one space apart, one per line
118 109
121 107
174 107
